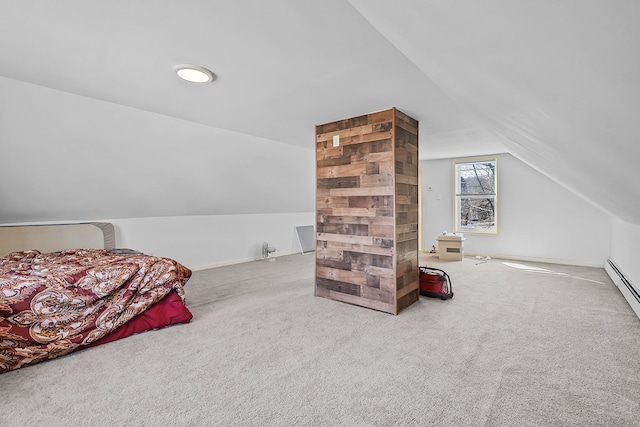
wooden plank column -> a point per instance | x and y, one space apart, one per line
367 211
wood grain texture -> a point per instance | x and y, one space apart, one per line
367 211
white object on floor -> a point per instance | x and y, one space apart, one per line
451 246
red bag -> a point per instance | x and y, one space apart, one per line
435 283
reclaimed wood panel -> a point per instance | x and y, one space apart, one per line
366 211
406 186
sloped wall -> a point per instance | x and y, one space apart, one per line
66 156
70 158
539 219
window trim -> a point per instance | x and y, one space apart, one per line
456 206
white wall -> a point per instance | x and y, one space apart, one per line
204 196
66 156
625 241
213 240
207 241
437 202
539 219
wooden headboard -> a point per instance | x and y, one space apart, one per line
57 237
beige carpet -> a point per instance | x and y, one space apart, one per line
514 347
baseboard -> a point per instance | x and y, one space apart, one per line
237 261
532 259
625 286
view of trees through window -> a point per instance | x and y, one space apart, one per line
476 196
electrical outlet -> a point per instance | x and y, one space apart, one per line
336 140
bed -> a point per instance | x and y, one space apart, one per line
55 300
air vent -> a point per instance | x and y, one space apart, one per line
625 286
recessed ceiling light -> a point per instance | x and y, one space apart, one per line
194 73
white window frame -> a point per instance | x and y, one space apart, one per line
457 196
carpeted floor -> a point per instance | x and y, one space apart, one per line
514 347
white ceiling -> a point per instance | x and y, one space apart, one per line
555 83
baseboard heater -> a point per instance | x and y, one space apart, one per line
624 285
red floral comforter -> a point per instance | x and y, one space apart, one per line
52 304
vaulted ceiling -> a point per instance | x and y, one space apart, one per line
555 83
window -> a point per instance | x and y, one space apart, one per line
476 195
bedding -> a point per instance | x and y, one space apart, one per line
54 303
